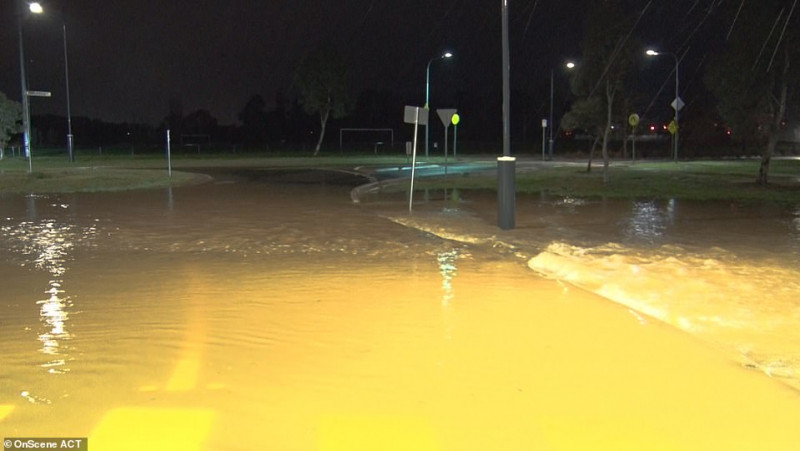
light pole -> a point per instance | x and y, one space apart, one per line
428 90
677 103
34 8
569 65
70 137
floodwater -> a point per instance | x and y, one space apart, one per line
265 310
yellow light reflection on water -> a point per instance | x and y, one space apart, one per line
347 433
53 315
152 429
5 410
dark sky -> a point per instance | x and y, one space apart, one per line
127 59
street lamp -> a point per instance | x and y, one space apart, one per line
569 65
428 90
70 137
677 103
34 8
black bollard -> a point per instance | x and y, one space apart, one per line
506 192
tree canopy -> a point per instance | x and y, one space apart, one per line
10 119
757 74
321 80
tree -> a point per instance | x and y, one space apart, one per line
322 82
756 76
599 81
10 120
254 120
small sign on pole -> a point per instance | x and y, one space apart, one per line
414 115
544 127
633 120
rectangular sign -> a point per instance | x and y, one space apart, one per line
39 93
410 116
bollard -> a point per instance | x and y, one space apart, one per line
506 192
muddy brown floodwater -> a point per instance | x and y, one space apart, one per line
265 310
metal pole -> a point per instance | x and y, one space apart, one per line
550 152
169 156
677 129
455 141
427 99
506 87
70 138
506 165
26 120
544 148
414 160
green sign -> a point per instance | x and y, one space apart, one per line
455 120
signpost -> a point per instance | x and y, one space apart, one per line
417 116
455 120
446 116
633 121
544 129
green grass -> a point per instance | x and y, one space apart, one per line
723 180
732 180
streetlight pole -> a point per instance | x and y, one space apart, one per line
550 152
428 91
26 119
70 138
677 101
569 65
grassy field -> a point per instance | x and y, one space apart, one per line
698 180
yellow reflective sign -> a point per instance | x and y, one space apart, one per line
633 120
673 127
455 119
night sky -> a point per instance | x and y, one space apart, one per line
127 59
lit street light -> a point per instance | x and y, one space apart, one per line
428 91
677 103
70 137
569 65
34 8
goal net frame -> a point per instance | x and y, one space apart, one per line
370 130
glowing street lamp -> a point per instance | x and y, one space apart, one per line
34 8
428 90
677 104
569 65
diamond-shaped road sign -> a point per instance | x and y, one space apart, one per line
677 104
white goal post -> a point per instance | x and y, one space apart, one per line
372 131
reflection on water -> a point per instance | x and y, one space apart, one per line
47 245
54 317
648 222
448 270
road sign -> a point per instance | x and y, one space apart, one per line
456 119
677 104
410 116
673 127
446 115
633 120
39 93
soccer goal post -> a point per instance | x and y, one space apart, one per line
371 135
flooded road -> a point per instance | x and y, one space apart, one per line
266 311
